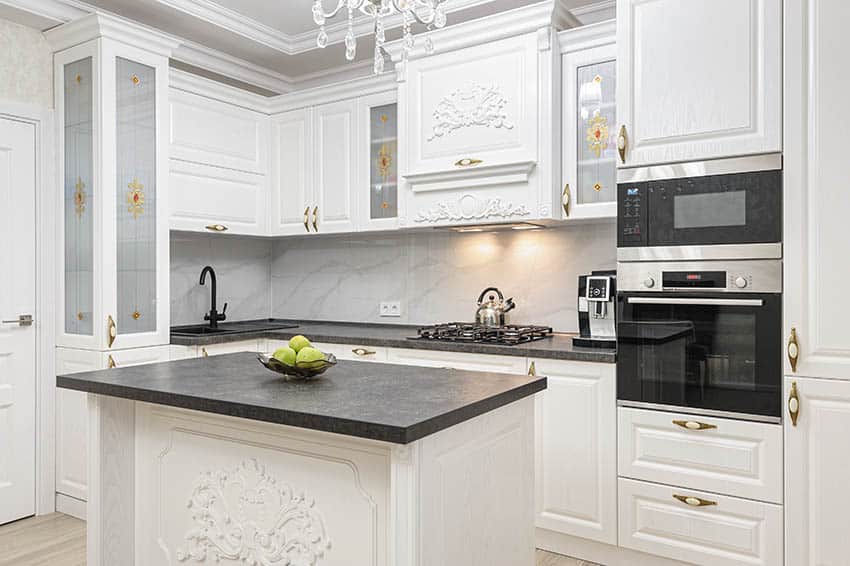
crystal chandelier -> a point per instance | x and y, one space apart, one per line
430 13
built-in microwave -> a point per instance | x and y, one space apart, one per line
715 212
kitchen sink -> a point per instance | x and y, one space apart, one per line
230 328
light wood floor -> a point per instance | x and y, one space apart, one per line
60 540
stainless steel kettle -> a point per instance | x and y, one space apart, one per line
492 312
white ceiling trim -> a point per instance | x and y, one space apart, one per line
57 11
220 63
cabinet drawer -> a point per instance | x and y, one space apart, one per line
726 531
354 352
457 360
736 458
230 348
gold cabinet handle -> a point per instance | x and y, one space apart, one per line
694 501
110 362
204 353
622 143
316 219
793 350
216 228
794 404
468 162
362 352
532 370
111 331
566 198
694 425
307 218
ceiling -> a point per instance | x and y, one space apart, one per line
270 44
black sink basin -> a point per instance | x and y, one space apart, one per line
230 328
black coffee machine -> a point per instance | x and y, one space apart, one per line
597 310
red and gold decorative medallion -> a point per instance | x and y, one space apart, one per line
597 187
136 80
385 161
80 197
137 315
597 133
136 198
80 316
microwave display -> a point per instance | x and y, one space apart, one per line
704 210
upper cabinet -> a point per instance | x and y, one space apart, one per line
111 103
471 122
336 160
377 186
589 118
698 80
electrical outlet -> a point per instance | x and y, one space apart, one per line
390 308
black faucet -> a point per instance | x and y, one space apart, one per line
213 316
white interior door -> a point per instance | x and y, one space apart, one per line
17 341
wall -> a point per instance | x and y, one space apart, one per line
438 275
242 266
26 66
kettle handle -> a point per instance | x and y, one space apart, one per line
509 305
485 291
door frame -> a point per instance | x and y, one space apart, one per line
46 248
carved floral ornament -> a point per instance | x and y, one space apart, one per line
470 207
247 515
472 105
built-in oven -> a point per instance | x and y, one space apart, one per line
701 337
713 211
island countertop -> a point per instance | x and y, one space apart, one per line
387 402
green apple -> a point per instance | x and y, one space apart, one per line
299 342
308 356
285 355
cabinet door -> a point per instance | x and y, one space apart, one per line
700 79
377 190
590 132
576 447
354 352
336 159
457 360
292 172
817 459
817 304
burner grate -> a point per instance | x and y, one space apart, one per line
510 335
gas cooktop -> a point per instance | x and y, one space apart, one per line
509 334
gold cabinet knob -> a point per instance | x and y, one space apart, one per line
694 425
468 162
566 198
363 352
694 501
217 228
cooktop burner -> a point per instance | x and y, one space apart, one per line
469 332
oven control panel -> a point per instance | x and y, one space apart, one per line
747 276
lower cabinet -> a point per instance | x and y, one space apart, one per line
354 352
817 464
457 360
576 449
256 345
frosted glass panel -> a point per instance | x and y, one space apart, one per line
597 144
136 196
78 198
383 199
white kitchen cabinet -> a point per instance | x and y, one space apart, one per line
354 352
474 134
699 527
112 107
817 460
376 192
336 165
589 119
457 360
72 418
255 345
699 80
816 302
576 450
292 172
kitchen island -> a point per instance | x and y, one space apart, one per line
218 460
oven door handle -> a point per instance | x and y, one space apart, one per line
690 301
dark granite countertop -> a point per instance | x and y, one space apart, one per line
387 402
558 346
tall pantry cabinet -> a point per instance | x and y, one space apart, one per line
111 97
817 305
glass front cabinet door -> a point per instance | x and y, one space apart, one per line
589 137
111 101
378 131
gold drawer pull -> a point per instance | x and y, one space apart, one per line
216 228
315 219
694 425
794 404
110 362
111 331
204 353
694 501
363 352
793 350
468 162
307 218
532 370
622 143
566 197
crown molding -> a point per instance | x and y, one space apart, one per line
233 67
214 90
598 12
585 37
333 92
100 24
56 11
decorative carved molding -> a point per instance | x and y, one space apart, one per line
469 207
474 105
247 515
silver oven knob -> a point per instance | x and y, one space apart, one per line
740 282
649 282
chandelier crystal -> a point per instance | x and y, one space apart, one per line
429 13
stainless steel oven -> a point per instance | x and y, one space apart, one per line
701 337
712 210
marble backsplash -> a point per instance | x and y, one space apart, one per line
437 276
243 269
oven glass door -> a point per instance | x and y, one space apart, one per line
714 351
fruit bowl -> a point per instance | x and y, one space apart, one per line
301 370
